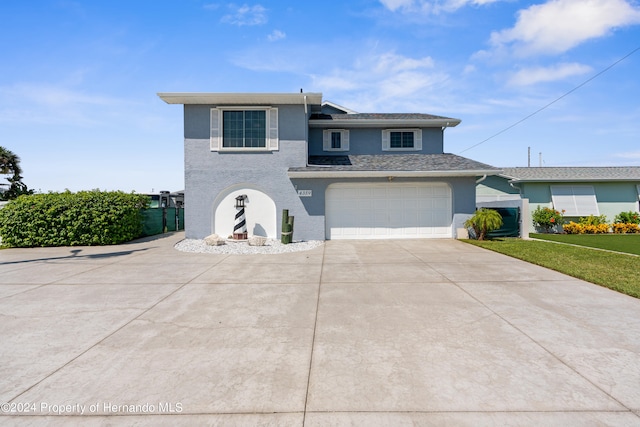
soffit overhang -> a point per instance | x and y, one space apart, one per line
201 98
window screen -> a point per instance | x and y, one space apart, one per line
244 129
401 140
335 139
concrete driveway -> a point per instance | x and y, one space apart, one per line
413 332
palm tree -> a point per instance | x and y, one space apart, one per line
10 165
484 221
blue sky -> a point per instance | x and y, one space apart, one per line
78 79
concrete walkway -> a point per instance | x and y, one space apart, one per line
413 332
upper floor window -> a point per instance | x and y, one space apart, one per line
402 139
335 140
244 129
238 129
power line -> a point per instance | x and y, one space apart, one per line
554 101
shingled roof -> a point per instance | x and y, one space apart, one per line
377 116
381 119
612 173
393 164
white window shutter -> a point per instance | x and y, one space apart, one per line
326 140
562 199
345 140
585 199
417 140
273 129
575 200
385 140
216 129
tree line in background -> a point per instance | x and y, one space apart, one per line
10 165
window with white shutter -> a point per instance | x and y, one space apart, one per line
240 129
335 140
402 140
575 200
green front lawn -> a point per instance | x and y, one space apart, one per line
628 243
614 271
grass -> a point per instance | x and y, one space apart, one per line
614 271
627 243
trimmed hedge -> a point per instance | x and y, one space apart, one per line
72 219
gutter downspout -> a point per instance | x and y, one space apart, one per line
307 164
478 181
513 184
525 215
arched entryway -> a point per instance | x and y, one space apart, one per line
260 211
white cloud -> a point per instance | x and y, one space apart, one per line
386 80
431 6
394 5
53 96
363 78
630 155
276 35
533 75
245 15
51 104
559 25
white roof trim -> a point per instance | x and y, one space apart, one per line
385 123
567 180
385 174
339 107
201 98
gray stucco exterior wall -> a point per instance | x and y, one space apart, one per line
208 173
369 141
211 176
462 191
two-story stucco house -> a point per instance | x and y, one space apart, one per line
342 174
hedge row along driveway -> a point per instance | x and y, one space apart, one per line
72 219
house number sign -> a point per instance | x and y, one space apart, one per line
304 193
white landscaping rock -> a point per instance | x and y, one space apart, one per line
257 241
214 240
271 246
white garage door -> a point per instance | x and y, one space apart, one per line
388 211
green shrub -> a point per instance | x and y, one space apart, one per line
630 217
625 228
593 220
547 219
484 221
573 228
72 219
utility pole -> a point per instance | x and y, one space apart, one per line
529 157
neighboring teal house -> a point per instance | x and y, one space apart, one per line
579 191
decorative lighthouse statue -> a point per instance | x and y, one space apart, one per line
240 224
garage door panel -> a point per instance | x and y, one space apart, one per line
379 204
375 211
410 205
440 203
443 191
366 204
